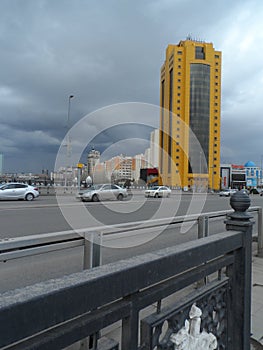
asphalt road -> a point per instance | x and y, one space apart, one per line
46 215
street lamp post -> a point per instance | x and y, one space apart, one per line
260 175
68 139
68 127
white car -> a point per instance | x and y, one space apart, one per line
15 190
97 193
158 191
227 193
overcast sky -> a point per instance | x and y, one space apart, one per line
106 52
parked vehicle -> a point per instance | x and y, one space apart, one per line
15 190
101 192
158 191
227 192
255 191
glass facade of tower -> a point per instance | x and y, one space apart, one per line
199 115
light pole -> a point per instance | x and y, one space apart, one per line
200 170
68 139
68 127
212 180
261 171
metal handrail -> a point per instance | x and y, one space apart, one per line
14 248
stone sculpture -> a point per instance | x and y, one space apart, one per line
190 337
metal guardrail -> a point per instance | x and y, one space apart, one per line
65 310
90 239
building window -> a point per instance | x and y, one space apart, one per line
216 56
179 80
199 53
179 52
179 67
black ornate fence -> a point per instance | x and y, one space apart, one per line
56 313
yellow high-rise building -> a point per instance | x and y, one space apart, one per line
190 100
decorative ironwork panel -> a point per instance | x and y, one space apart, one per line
212 299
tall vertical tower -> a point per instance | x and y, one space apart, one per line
190 99
92 160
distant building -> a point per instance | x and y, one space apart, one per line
139 162
119 169
233 176
92 159
1 163
154 148
147 156
239 176
151 154
190 95
253 174
125 168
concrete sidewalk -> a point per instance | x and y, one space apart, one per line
257 299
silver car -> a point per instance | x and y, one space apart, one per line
15 190
103 192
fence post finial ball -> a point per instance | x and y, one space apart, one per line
240 202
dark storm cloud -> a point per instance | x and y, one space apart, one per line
110 51
120 134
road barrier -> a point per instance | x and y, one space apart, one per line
91 239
